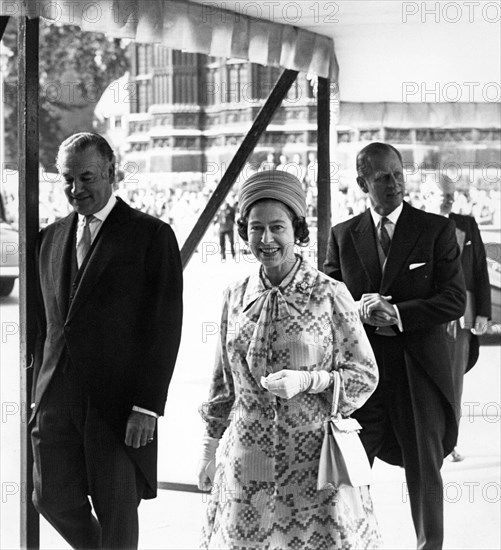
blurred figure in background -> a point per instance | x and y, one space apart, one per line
282 163
268 164
226 222
463 333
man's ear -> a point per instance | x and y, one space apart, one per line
111 172
362 184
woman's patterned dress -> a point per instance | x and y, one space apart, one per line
265 489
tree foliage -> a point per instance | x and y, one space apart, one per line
75 68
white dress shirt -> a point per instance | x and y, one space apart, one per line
96 223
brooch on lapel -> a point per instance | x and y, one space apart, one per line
303 287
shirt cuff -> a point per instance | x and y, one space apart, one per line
399 320
144 411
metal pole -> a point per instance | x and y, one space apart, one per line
323 179
28 74
3 67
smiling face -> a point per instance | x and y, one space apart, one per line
88 178
385 183
271 238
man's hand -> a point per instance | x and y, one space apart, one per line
382 319
376 310
480 325
140 429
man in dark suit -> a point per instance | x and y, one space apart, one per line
439 195
109 329
403 267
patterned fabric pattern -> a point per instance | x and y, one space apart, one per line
264 494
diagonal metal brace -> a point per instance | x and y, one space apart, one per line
263 118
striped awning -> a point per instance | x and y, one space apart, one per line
192 27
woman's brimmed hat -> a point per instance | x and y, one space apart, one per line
276 185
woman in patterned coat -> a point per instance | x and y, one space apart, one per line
284 329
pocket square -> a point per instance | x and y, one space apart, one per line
415 266
469 242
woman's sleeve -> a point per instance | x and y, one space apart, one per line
216 410
353 355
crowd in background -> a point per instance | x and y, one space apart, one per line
181 206
483 205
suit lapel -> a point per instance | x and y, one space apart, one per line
60 260
406 235
112 236
364 241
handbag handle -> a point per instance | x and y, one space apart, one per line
336 383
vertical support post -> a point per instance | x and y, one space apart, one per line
28 73
3 66
323 176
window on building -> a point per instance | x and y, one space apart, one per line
143 96
209 90
264 78
143 58
233 84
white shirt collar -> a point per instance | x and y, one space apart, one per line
392 216
104 212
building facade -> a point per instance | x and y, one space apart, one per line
190 112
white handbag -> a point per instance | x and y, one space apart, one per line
343 460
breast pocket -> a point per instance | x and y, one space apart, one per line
419 268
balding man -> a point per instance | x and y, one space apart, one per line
403 266
110 324
439 194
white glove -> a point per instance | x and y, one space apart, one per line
287 383
321 381
207 463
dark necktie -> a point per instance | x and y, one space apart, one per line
83 245
384 237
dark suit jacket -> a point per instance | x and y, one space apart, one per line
476 275
122 328
427 295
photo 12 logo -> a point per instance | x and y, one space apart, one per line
451 92
281 12
451 12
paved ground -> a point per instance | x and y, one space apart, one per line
173 520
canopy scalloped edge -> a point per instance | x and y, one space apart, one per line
191 27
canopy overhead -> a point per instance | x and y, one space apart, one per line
396 51
196 27
388 51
